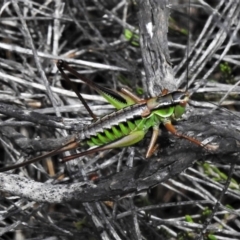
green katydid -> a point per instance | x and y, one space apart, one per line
127 125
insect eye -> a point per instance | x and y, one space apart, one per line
183 97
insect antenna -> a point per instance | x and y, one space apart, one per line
188 42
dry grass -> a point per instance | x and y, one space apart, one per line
90 36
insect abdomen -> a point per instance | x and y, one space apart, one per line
114 133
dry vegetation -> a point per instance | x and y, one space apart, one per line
153 199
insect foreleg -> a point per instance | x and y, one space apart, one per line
168 125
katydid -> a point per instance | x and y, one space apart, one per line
127 125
